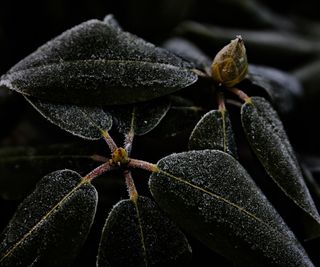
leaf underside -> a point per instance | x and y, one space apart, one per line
51 224
214 131
139 118
82 121
270 143
98 63
136 233
210 195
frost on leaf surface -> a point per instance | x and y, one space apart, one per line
136 233
97 63
270 143
139 118
214 131
51 224
282 88
210 195
83 121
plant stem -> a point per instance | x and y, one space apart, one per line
221 104
111 144
105 167
242 95
128 141
133 194
144 165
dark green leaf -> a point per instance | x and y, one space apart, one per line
281 87
22 167
83 121
214 131
136 233
51 224
189 52
211 196
97 63
270 143
140 118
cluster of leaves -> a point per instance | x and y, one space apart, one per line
95 77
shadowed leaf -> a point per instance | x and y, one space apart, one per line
136 233
82 121
51 224
281 87
270 143
22 167
210 195
214 131
190 52
140 118
97 63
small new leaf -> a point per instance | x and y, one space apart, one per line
214 131
51 224
210 195
137 234
97 63
270 143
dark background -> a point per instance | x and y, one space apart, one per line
26 25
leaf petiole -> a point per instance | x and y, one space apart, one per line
144 165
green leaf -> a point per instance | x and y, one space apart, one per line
97 63
189 52
51 224
136 233
214 131
82 121
281 87
139 118
211 195
270 143
22 167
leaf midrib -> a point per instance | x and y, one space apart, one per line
40 222
220 198
111 61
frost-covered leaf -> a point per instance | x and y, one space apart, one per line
270 143
112 22
211 195
22 167
51 224
83 121
281 87
190 52
97 63
136 233
139 118
214 131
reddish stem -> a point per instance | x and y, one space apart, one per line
130 185
144 165
111 144
128 142
242 95
99 170
98 158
